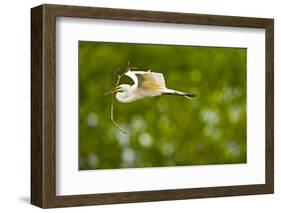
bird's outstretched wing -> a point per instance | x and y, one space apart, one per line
151 80
147 80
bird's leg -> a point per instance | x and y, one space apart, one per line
189 98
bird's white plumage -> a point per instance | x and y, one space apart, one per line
144 79
146 84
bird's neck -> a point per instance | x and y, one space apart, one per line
126 98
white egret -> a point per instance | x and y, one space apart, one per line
146 84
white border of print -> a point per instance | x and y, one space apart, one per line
71 181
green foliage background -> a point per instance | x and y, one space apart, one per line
165 130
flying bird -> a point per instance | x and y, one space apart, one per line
146 84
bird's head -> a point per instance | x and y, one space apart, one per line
122 88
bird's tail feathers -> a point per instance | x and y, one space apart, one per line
178 93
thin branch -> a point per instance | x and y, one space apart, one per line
119 78
131 68
112 116
112 103
115 73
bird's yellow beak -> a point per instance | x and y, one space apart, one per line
112 91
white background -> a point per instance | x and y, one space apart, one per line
15 106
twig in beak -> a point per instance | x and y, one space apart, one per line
112 116
119 78
108 92
115 72
131 68
111 92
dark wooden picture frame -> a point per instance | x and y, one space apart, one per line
43 105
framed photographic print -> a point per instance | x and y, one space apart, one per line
136 106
